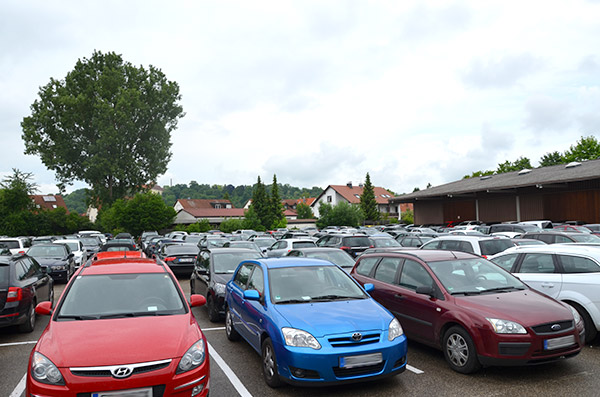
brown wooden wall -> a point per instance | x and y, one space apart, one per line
532 207
497 209
429 213
573 206
459 210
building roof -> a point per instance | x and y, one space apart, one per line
537 177
48 202
214 212
352 193
189 204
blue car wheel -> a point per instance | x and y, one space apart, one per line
230 331
269 364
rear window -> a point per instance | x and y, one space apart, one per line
181 249
4 274
303 244
10 244
492 247
356 241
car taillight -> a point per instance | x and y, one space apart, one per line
484 256
21 252
15 294
371 246
345 248
170 258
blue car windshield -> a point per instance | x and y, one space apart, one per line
308 284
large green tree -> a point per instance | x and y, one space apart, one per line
343 214
107 123
587 148
261 204
517 165
551 158
368 204
276 215
304 211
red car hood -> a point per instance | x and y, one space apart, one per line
527 307
118 341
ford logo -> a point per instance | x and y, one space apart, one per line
357 336
121 372
555 327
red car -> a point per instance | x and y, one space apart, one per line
122 327
475 312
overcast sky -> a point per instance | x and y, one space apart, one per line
322 92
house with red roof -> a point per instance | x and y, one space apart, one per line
48 202
335 194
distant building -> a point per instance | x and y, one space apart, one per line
189 204
335 194
48 202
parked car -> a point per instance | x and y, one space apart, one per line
16 245
294 234
213 269
122 327
91 245
482 246
594 227
282 247
563 237
180 257
565 272
212 241
58 259
334 255
353 244
526 241
243 244
312 323
120 244
475 312
572 228
43 240
381 242
77 248
412 240
264 243
513 229
23 283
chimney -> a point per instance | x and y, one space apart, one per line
349 184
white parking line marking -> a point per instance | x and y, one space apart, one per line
235 381
32 342
415 370
20 389
213 329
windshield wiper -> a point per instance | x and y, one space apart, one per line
466 293
133 314
293 301
74 317
503 289
333 297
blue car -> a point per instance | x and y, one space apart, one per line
312 323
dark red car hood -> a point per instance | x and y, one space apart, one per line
118 341
527 307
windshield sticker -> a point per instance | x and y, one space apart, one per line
152 308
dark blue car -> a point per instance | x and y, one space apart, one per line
312 323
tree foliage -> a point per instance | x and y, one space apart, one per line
407 217
368 204
107 123
551 158
304 211
587 148
343 214
276 210
517 165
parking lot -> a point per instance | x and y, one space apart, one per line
235 370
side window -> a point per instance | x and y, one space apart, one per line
322 241
366 265
241 278
431 245
547 238
537 263
386 270
204 259
20 270
506 262
27 270
37 269
414 275
465 246
577 264
257 281
562 239
450 245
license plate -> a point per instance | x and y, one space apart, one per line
557 343
146 392
186 260
360 361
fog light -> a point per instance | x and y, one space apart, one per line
197 390
299 373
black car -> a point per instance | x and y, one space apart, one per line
23 284
353 244
122 244
213 269
212 241
91 245
58 258
180 257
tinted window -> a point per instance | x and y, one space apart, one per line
385 242
411 242
537 263
414 275
4 271
366 265
492 247
430 245
228 262
386 271
241 278
356 241
10 244
303 244
27 269
576 264
506 262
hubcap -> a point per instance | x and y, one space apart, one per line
228 323
268 362
457 349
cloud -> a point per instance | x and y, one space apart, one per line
546 114
501 73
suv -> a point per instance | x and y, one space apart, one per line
563 237
354 244
565 272
23 283
16 245
482 246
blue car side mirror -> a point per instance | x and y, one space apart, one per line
251 295
369 287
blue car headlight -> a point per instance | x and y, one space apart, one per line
192 358
298 338
394 330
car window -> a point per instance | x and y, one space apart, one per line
241 278
465 246
414 275
303 244
577 264
547 238
537 263
562 239
506 262
365 266
492 247
386 270
257 281
430 245
356 242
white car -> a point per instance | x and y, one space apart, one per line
77 248
569 273
16 245
485 246
282 247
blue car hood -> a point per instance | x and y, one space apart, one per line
337 317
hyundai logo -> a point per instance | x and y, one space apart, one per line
555 327
121 372
356 337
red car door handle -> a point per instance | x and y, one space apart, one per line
398 296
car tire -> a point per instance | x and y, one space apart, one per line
213 312
230 331
460 351
269 364
590 329
192 286
29 324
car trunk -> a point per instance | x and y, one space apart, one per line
4 274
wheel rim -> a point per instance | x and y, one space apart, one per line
228 323
269 361
457 349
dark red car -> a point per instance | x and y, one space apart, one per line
122 327
474 311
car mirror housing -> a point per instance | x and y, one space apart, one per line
369 287
197 300
425 290
252 295
44 308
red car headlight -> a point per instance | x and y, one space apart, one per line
192 358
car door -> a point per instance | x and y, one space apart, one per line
202 273
580 277
236 301
42 283
254 312
384 279
539 271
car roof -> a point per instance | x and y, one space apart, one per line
288 261
228 250
426 255
123 266
118 254
470 238
591 250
